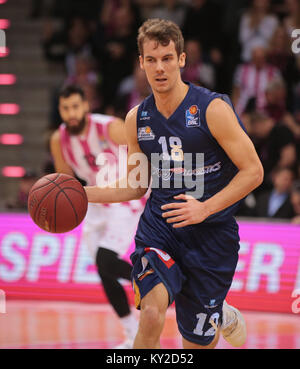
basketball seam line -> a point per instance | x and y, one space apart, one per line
68 179
44 185
74 189
62 191
76 216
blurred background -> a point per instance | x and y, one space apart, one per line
239 47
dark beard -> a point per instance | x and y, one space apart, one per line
76 130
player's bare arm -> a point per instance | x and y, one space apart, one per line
116 132
225 128
59 162
125 189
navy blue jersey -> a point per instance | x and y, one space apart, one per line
182 136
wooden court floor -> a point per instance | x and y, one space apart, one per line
66 325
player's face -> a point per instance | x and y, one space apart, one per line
162 65
73 111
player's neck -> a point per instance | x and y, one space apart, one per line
168 102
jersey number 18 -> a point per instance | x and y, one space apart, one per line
176 148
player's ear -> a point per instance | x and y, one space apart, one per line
182 58
141 59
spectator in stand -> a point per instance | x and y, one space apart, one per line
196 70
203 22
111 7
85 71
275 106
257 25
279 54
288 156
131 92
276 203
78 36
118 49
68 44
274 143
292 19
88 76
172 10
146 7
295 200
251 80
296 91
279 51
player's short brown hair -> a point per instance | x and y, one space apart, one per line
161 30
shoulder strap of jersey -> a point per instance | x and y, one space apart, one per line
66 145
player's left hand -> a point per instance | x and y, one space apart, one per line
191 211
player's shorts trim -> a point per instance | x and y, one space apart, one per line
149 269
143 284
137 295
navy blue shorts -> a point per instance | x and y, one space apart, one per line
196 264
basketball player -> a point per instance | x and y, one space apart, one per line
186 247
107 230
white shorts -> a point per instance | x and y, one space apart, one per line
112 227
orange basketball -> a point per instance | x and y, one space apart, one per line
57 203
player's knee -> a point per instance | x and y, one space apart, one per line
151 317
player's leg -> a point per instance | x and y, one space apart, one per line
110 268
210 274
152 318
156 280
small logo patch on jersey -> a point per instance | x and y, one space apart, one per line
192 116
144 115
193 109
212 304
145 134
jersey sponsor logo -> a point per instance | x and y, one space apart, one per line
144 115
193 109
145 134
164 257
192 116
166 174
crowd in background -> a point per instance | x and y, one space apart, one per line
238 47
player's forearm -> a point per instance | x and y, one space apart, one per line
240 186
97 194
